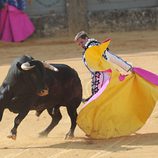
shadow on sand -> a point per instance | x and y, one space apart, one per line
114 144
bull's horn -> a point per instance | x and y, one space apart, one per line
48 66
27 66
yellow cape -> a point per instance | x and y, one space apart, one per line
122 108
94 58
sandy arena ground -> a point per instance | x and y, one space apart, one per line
140 48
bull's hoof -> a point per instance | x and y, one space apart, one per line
12 137
42 134
87 135
69 136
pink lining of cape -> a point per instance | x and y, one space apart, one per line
147 75
15 25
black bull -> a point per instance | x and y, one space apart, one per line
22 89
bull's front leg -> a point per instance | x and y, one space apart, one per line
72 111
2 107
17 122
56 117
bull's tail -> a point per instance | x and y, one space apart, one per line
86 99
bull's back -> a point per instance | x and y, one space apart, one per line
66 82
65 73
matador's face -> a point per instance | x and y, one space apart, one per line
81 42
